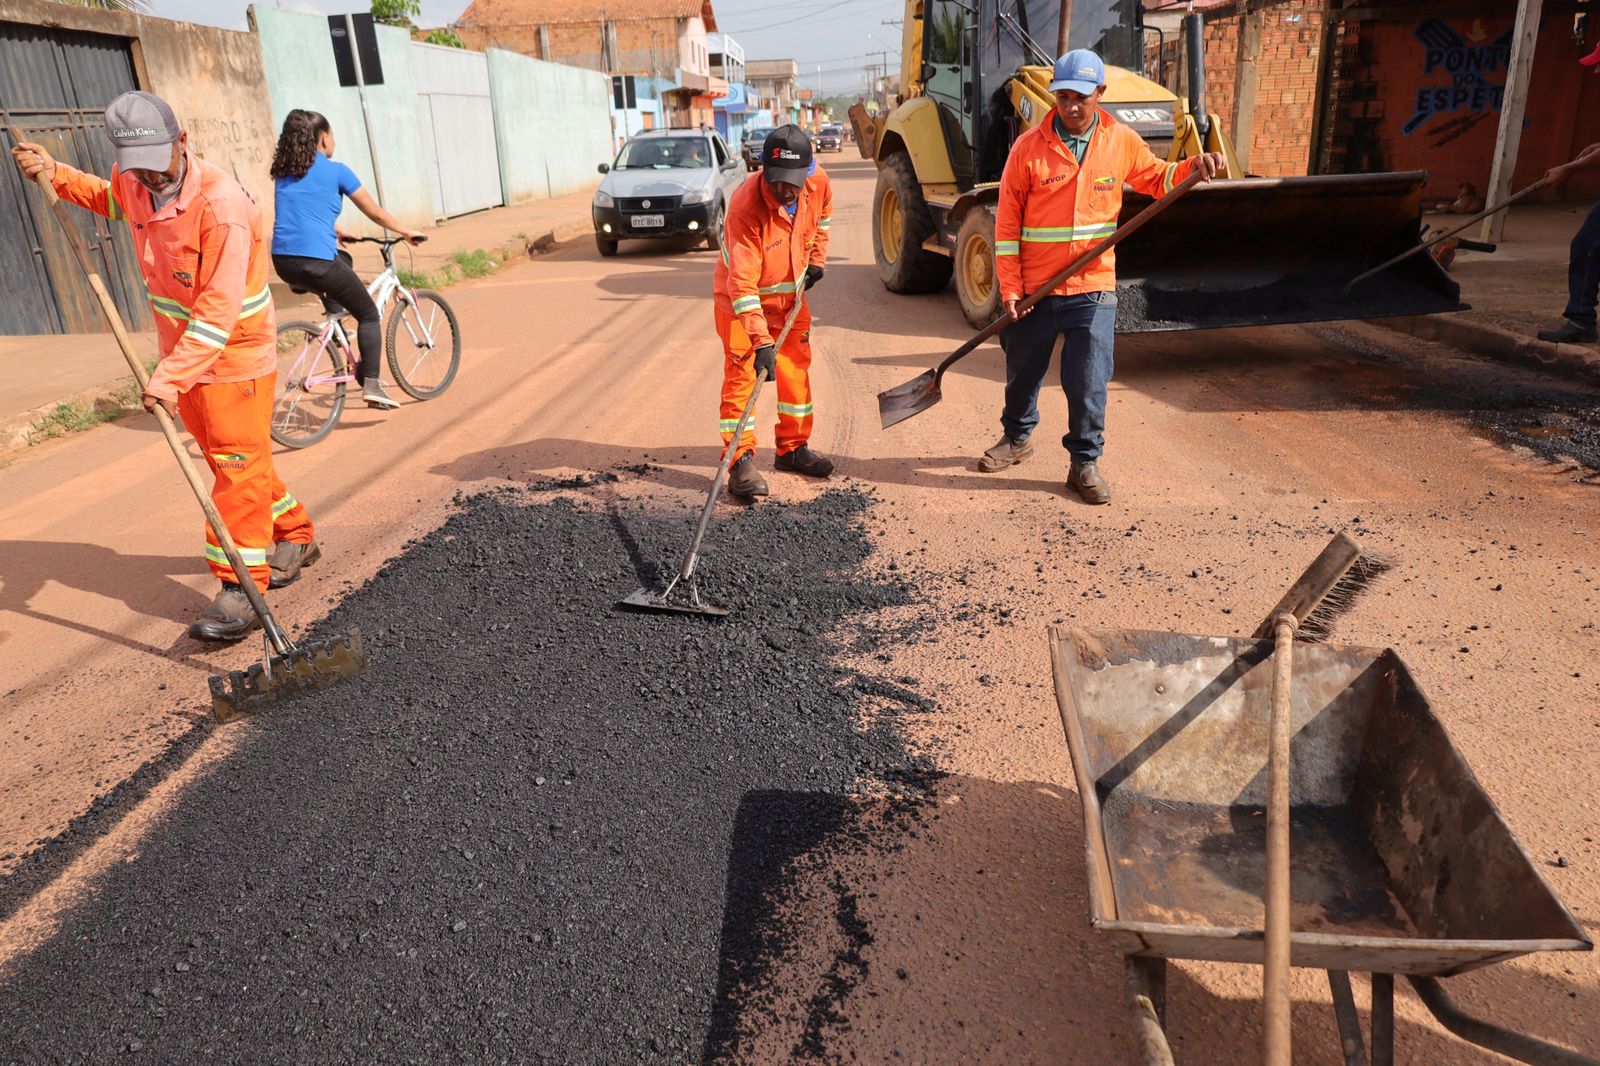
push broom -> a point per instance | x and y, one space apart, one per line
1328 588
285 668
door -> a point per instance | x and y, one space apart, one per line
55 85
948 73
730 168
457 120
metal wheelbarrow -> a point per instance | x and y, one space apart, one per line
1401 862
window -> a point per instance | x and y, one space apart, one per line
722 152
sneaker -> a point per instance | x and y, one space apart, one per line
804 461
744 480
1085 480
229 617
288 558
1569 333
373 392
1006 453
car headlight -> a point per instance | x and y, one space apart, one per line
603 199
697 196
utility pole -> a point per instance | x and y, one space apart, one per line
366 112
1518 72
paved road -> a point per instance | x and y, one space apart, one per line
1231 454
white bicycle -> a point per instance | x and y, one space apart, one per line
317 360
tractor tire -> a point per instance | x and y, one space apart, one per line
977 286
900 223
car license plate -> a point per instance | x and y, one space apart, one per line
647 221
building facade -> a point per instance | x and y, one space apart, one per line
777 83
657 52
735 102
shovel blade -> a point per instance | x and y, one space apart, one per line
645 600
912 398
305 669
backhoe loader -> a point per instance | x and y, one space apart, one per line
1235 252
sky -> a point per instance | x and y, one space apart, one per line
838 36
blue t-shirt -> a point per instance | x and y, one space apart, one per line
305 208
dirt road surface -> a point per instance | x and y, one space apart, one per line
929 922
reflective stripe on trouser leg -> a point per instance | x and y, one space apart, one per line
229 420
738 378
794 387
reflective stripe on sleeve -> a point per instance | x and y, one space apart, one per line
255 304
208 335
1170 179
1007 248
113 208
745 304
824 223
163 305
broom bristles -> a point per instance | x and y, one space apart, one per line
1318 624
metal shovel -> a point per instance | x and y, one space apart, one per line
922 392
644 599
285 668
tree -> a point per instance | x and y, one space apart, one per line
138 7
445 37
396 12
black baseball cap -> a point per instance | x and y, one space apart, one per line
786 155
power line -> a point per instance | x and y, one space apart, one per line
804 18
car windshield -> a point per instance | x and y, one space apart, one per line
665 153
756 135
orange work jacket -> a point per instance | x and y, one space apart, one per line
765 252
1053 210
204 257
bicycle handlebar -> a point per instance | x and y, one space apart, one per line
387 242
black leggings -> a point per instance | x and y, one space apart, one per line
336 280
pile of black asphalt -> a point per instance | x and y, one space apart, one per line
539 830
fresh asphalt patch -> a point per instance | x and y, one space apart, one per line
539 830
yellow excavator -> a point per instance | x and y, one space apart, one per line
1234 252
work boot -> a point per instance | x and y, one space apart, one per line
1569 333
288 557
229 617
1085 480
1007 453
804 461
373 392
744 480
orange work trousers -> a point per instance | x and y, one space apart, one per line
230 421
739 377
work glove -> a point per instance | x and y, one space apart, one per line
813 276
766 362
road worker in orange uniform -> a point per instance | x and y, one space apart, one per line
203 251
1061 192
774 245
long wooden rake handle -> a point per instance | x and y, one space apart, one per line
1105 245
1447 234
108 307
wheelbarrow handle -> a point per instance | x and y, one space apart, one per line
1105 245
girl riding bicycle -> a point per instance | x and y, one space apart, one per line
309 191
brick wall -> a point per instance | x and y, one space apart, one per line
644 46
1424 93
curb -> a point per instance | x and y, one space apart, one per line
1575 360
14 429
564 231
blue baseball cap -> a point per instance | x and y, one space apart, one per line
1079 70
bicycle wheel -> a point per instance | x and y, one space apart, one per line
307 403
423 344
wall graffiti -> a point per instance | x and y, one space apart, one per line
1459 67
238 139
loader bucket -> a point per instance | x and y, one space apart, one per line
1259 251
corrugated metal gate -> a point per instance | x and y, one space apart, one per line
457 129
55 84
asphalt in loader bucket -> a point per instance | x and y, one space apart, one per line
1265 251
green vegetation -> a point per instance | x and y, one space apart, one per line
447 38
396 12
138 7
413 280
71 418
474 264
